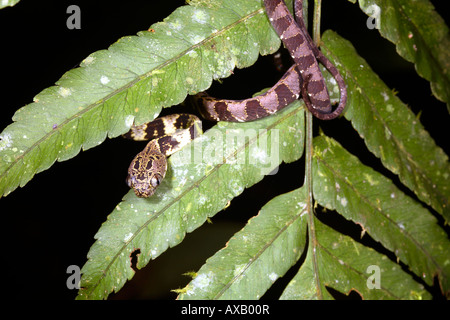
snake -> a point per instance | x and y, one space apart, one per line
304 78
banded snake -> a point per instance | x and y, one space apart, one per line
304 78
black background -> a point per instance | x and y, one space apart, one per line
50 223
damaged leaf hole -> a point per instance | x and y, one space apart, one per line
351 295
134 258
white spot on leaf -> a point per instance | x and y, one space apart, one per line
201 282
273 276
338 187
200 16
129 121
88 61
5 141
128 236
64 92
104 79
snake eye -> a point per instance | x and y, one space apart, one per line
131 181
156 180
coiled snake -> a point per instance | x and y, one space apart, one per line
148 168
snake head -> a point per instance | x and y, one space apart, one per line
146 173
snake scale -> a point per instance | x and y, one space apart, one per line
304 78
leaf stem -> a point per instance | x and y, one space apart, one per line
316 21
308 165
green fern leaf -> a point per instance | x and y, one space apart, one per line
345 265
131 82
390 129
8 3
371 200
421 37
201 180
250 263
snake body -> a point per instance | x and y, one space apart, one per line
148 168
304 77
